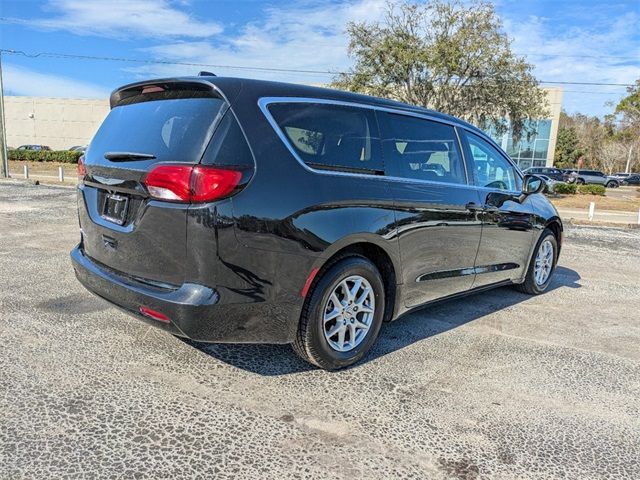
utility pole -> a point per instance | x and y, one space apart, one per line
4 157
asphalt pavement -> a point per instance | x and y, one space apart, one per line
497 385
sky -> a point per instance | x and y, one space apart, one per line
565 40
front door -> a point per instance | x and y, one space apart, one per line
438 227
508 221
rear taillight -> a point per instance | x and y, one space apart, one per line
82 169
192 184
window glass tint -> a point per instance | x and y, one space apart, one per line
228 147
172 130
421 149
491 169
331 136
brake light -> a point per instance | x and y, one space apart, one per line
191 184
82 169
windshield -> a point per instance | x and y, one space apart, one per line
176 130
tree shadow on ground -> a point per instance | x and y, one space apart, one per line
412 327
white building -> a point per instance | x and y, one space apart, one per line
60 123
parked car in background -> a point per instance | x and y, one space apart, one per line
628 178
596 177
78 148
247 211
550 172
33 147
549 183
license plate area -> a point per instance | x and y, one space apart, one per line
114 208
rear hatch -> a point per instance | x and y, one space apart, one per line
167 124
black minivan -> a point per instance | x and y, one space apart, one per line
234 210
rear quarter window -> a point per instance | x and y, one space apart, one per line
228 147
331 137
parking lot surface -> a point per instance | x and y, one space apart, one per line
497 385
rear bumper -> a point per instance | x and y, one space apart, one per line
194 311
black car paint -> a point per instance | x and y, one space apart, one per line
236 272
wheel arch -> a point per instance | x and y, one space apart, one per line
385 260
555 225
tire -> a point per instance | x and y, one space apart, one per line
579 181
311 343
530 285
611 185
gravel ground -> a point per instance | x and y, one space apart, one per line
498 385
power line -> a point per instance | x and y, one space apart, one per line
162 62
526 54
561 55
245 67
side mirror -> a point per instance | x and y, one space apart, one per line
532 184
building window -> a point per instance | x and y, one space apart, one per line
527 152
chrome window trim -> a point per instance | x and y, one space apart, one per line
264 102
491 143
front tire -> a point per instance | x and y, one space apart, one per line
342 315
542 265
579 181
612 185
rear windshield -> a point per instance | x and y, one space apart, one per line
172 130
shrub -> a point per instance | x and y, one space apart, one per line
565 188
64 156
592 189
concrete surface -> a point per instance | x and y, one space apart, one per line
499 385
605 216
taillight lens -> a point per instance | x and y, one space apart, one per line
82 169
183 183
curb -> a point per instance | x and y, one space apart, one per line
33 183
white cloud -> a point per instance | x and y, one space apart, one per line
602 51
311 36
308 36
23 81
125 18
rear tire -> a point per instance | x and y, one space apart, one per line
329 308
579 181
542 265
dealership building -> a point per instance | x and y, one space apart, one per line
65 122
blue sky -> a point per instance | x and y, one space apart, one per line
566 40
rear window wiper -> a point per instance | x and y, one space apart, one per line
124 156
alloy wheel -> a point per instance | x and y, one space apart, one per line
544 262
349 313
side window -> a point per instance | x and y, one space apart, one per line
331 137
491 169
420 149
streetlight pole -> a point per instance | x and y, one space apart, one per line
3 131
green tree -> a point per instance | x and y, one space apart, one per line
629 108
567 148
629 131
451 56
